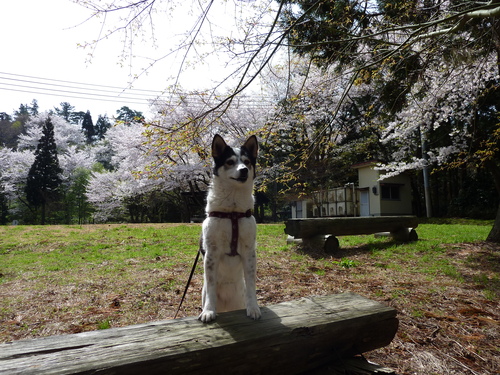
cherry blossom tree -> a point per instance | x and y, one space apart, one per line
72 153
13 177
452 98
452 117
113 192
65 134
317 132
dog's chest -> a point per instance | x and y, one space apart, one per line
220 232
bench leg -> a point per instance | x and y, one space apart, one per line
328 243
405 235
331 245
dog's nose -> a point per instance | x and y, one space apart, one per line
243 172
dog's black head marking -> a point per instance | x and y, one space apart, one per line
221 153
251 148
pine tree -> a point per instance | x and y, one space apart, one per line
65 111
129 116
88 127
44 175
101 126
34 107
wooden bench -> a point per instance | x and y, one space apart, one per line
290 338
323 232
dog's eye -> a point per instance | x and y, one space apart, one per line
247 162
230 162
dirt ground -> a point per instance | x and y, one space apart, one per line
449 322
446 326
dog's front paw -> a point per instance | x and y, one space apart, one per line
253 312
207 316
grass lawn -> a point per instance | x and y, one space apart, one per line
446 286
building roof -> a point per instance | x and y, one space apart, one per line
369 163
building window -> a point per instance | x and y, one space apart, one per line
390 192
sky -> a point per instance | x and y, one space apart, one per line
41 59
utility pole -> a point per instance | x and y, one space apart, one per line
425 171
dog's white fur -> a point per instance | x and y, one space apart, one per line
229 281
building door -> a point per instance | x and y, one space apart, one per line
364 203
299 210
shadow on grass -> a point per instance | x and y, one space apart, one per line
484 264
347 251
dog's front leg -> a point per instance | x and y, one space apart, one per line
209 293
249 270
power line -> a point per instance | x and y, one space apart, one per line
65 86
155 92
89 95
90 91
111 98
83 91
69 96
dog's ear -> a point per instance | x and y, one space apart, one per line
252 146
218 146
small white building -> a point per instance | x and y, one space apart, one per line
371 197
391 196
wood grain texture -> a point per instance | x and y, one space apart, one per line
307 228
291 337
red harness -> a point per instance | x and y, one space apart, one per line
234 216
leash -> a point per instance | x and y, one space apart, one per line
200 250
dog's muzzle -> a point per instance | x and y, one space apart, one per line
243 175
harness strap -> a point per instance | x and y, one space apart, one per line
234 216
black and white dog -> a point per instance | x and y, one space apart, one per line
229 232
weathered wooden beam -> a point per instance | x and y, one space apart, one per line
290 338
310 227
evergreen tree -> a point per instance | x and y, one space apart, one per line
129 116
44 175
34 107
65 111
8 132
88 127
101 126
24 110
21 117
77 117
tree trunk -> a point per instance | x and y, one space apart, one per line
43 214
491 165
494 169
494 235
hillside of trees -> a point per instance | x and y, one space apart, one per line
57 166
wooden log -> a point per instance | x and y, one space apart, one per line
290 338
307 228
